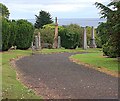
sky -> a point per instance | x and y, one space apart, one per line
27 9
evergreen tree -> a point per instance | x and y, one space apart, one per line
43 19
113 26
4 12
24 35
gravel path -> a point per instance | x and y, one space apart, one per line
55 76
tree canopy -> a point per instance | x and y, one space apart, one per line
71 36
4 11
42 19
112 13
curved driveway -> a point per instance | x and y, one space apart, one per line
55 76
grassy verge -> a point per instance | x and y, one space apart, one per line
47 51
98 60
12 88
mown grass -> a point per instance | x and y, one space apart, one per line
98 60
47 51
11 87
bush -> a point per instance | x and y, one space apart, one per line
24 35
47 34
5 34
13 33
109 50
98 42
70 36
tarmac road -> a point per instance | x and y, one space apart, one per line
54 76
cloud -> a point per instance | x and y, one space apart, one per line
53 6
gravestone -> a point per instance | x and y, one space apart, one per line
55 44
39 41
59 42
92 40
33 48
84 39
36 42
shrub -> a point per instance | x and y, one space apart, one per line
98 42
5 34
13 33
70 36
47 34
24 35
109 49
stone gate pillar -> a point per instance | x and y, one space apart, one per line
92 40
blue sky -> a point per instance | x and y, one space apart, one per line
27 9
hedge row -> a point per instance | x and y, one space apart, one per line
71 36
16 33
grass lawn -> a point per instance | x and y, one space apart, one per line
98 60
46 51
12 88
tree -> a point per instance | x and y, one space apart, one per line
113 26
5 34
4 11
24 37
70 36
13 33
43 19
47 33
102 33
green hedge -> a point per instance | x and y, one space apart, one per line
19 33
5 34
70 36
109 49
47 33
13 33
24 35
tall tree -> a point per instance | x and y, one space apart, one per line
42 19
24 35
113 23
4 11
102 32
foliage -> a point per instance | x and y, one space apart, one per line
70 36
47 34
102 33
5 34
19 33
4 30
88 32
24 35
13 33
42 19
98 42
113 24
4 11
109 49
